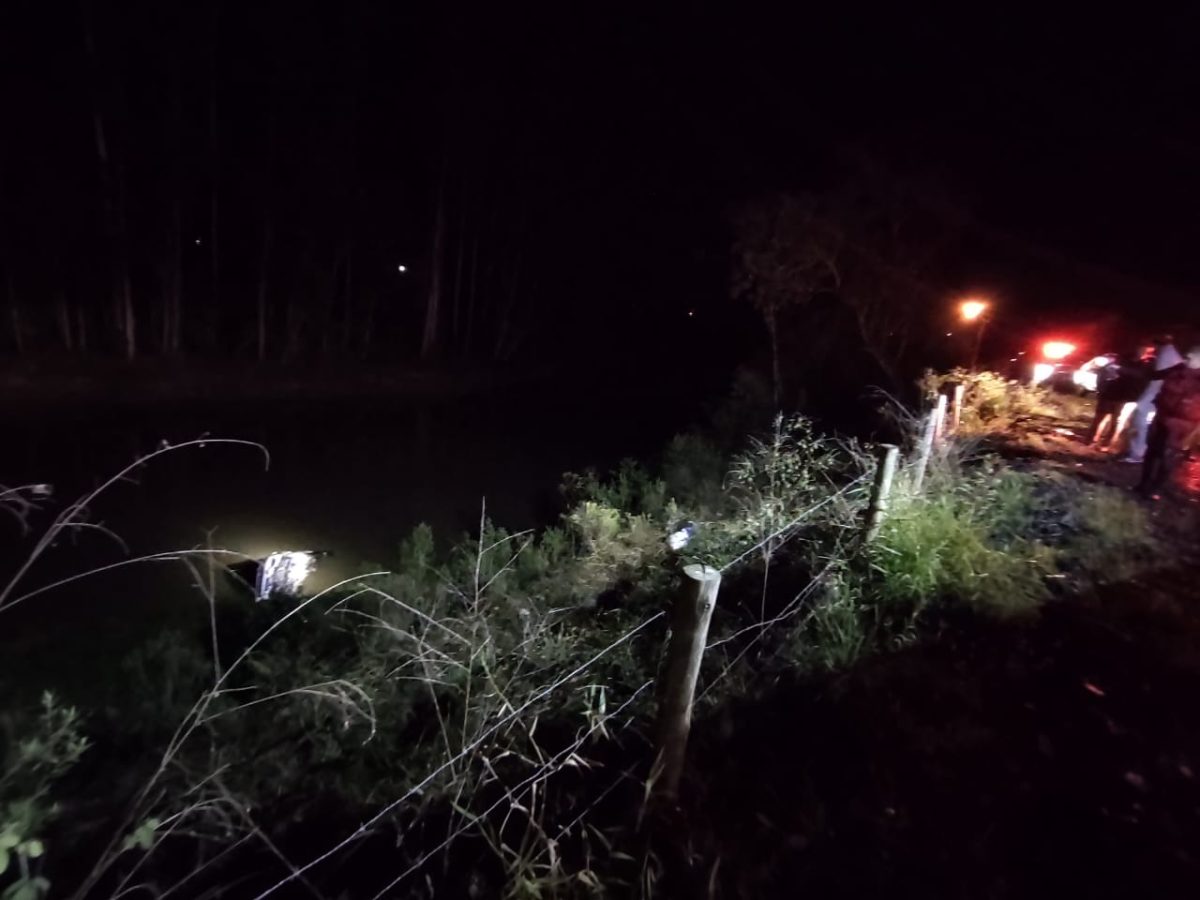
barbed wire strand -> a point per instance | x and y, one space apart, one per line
623 775
509 793
468 749
788 610
778 617
792 524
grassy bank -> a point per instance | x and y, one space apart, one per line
475 717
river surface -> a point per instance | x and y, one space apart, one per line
349 478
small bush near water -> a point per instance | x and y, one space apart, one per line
490 703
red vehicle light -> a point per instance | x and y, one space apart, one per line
1057 349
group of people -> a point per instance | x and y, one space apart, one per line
1160 382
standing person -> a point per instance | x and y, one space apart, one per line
1121 381
1177 415
1165 357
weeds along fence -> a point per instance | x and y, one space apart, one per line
697 597
489 747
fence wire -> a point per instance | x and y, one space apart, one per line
470 748
785 531
511 795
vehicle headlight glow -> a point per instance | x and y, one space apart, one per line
1042 372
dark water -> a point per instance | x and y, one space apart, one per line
351 478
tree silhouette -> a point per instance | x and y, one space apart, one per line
786 252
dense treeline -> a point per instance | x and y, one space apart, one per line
247 182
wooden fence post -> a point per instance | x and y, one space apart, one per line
885 471
932 424
689 634
960 391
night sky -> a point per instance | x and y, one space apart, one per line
587 161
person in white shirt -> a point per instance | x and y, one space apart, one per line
1165 357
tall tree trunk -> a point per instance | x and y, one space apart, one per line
6 260
267 183
504 329
14 312
114 207
330 293
173 324
776 368
368 329
459 254
62 313
81 329
348 298
294 330
214 171
505 335
173 302
456 301
171 280
429 336
471 296
352 51
125 291
123 285
264 274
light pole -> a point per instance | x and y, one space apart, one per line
975 311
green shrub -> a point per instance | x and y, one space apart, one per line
989 535
38 750
747 409
780 476
630 489
161 679
791 474
616 545
939 549
839 629
694 472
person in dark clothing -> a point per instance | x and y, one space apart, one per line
1165 356
1121 381
1176 416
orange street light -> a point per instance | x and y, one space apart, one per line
973 311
